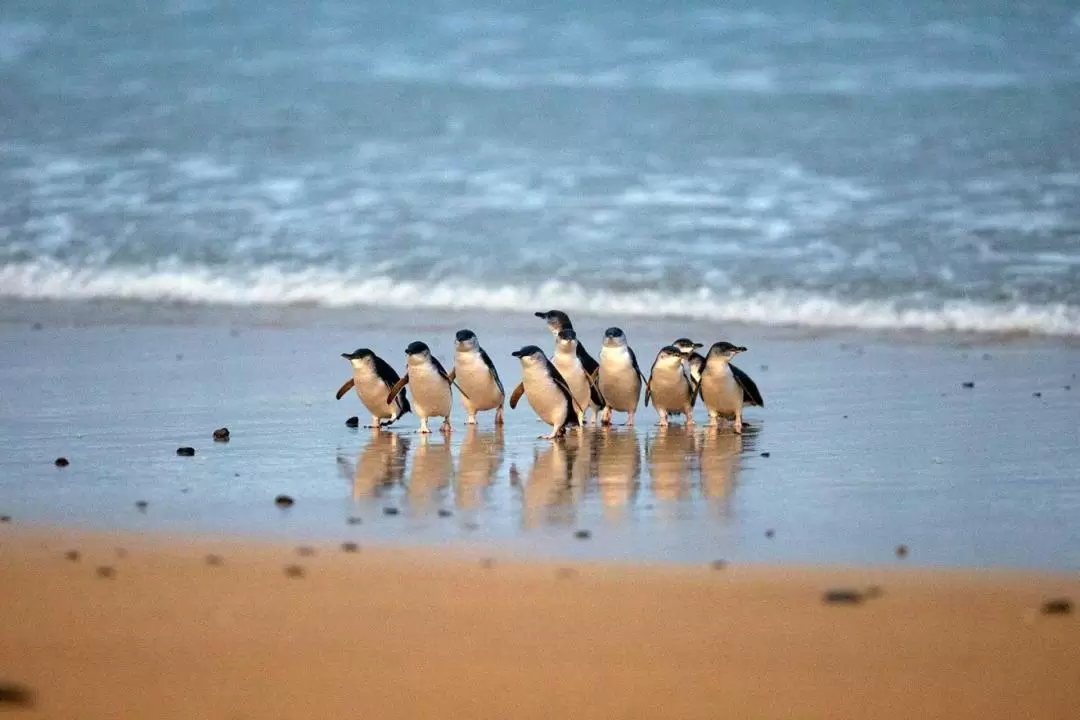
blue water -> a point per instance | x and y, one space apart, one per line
907 166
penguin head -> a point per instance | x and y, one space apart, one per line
614 337
530 355
359 357
466 340
566 340
670 356
556 320
686 346
417 353
724 349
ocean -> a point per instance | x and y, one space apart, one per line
885 166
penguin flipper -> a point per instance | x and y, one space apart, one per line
345 388
637 369
518 392
565 386
397 388
751 394
492 370
449 376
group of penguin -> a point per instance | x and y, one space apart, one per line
560 390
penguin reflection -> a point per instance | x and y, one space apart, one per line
669 454
431 470
379 465
618 467
549 494
720 458
479 459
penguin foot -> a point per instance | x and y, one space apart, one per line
446 429
499 416
471 420
737 427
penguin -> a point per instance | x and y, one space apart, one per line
432 394
476 375
567 362
373 377
546 391
725 388
557 321
619 376
670 386
694 359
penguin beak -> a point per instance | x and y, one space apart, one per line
698 346
740 349
540 314
516 353
347 356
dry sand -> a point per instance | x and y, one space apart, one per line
410 634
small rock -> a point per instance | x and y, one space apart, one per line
221 435
121 553
294 571
487 563
901 551
284 501
37 326
845 417
61 462
72 555
305 551
390 511
718 564
1057 606
354 520
185 451
12 695
583 534
179 356
444 513
874 591
353 422
842 597
5 518
1068 387
770 533
566 573
987 356
142 505
104 571
214 560
350 547
967 384
766 454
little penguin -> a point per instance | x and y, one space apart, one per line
557 321
546 390
432 396
619 376
373 378
724 388
672 389
694 359
477 377
582 387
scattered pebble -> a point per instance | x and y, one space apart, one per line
221 435
770 533
305 551
444 513
5 518
294 571
17 695
72 555
766 454
1068 387
37 326
986 356
354 520
104 571
1057 606
121 553
1036 394
718 564
390 511
471 525
566 573
968 384
284 501
353 422
350 547
583 534
764 367
874 591
185 451
142 505
487 563
179 356
901 551
845 417
214 560
842 596
61 462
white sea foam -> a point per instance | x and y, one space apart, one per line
275 287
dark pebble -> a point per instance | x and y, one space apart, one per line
294 571
770 533
390 511
471 525
354 520
874 591
350 547
1036 394
284 501
106 572
5 518
718 564
968 384
15 695
764 367
72 555
566 573
121 553
487 563
845 417
305 551
901 551
843 597
1057 606
142 505
179 356
766 454
214 560
583 534
353 422
443 512
986 356
1068 387
61 462
37 326
221 435
185 451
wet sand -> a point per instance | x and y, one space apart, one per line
414 633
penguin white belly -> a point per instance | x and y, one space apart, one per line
720 392
372 392
570 368
669 390
619 381
545 397
474 378
431 392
